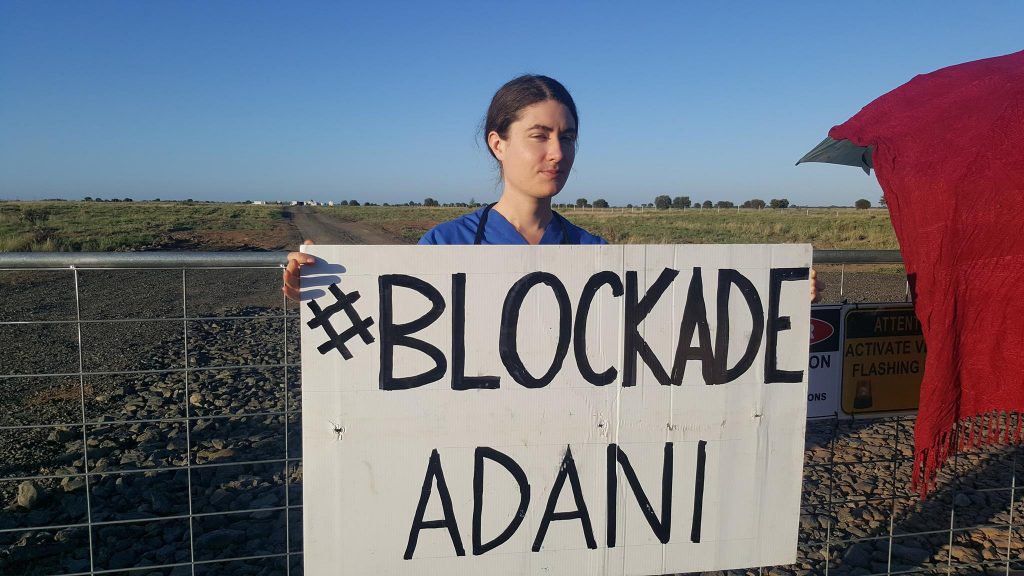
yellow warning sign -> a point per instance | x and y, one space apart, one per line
883 360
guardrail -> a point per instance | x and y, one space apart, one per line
176 259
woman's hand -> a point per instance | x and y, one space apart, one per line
291 272
817 287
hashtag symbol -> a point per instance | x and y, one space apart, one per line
322 317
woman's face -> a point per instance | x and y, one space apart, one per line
537 155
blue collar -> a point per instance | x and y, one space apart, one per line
487 210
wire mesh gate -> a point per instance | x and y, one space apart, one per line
151 425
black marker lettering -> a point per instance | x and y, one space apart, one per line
579 339
777 324
418 523
726 279
459 379
636 311
698 491
392 334
662 528
478 497
507 345
695 318
568 468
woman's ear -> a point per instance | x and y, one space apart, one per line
496 144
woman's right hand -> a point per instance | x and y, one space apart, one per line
291 272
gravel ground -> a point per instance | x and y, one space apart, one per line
237 416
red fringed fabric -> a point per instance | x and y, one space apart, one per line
949 155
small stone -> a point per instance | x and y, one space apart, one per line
219 538
219 495
219 454
996 534
965 554
857 556
28 494
72 483
990 554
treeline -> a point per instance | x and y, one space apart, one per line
662 202
665 202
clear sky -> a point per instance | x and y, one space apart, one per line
382 101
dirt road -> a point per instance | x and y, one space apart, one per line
323 229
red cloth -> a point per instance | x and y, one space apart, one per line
949 155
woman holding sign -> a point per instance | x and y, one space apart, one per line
530 130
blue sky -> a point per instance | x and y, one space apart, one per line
382 101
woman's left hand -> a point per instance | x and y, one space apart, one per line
817 287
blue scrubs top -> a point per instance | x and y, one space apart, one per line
498 230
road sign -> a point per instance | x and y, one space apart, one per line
883 360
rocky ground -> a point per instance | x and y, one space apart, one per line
234 420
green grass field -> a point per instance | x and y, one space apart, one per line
842 228
105 226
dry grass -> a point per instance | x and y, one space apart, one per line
824 228
106 226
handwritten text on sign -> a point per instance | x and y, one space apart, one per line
557 410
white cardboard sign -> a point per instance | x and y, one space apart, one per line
552 410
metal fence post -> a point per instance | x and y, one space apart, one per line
85 426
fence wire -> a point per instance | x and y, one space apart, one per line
150 423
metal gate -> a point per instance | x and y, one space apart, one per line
150 424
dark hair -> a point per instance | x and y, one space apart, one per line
519 93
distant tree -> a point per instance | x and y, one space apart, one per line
87 199
681 202
473 203
600 203
385 204
156 199
862 204
746 204
707 204
629 205
779 203
430 202
757 203
724 204
581 202
881 201
662 202
353 202
189 201
128 200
